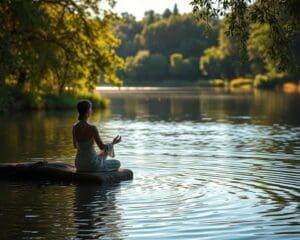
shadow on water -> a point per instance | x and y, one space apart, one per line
96 213
40 210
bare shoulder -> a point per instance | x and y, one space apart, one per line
93 127
75 125
94 130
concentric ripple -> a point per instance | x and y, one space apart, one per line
204 179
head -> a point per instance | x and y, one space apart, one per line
84 108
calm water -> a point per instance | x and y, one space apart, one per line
207 166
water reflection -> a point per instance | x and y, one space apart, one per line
32 136
206 166
96 213
35 210
259 107
53 129
42 211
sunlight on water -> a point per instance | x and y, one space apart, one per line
205 168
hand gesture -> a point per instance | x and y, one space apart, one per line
117 139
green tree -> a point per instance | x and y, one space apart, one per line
150 17
162 37
128 31
176 64
50 45
223 61
258 46
175 10
183 69
176 34
167 13
281 16
145 66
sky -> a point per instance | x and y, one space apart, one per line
138 7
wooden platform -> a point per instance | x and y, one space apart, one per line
60 172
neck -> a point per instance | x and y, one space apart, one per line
83 120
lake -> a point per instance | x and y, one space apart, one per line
208 165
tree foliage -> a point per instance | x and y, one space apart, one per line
146 42
176 34
183 68
48 45
282 17
223 60
192 55
145 66
128 31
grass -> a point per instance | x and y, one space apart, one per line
261 81
218 83
271 80
69 100
241 82
13 99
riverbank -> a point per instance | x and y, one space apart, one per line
106 91
257 83
233 85
14 99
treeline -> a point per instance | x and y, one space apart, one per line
53 52
176 47
163 46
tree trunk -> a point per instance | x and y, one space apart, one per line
61 89
22 79
62 84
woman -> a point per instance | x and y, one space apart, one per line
84 136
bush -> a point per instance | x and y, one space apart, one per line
269 80
5 98
183 68
12 98
145 66
69 100
239 82
218 83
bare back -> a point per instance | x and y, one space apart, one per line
84 132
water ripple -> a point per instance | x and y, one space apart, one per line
193 180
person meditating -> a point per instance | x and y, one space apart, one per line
84 137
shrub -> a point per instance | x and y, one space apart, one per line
218 83
269 80
239 82
69 100
12 98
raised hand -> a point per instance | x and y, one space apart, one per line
117 139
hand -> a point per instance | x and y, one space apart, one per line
102 152
117 139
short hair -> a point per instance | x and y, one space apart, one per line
83 107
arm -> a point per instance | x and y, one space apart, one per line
97 138
74 140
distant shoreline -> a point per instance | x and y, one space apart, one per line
286 88
147 88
